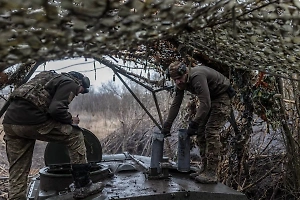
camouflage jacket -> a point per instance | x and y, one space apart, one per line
45 96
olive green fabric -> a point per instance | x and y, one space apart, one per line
207 84
60 92
210 87
208 137
36 91
20 140
39 111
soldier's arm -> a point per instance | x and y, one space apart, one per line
175 106
203 94
64 94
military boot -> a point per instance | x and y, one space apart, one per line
210 174
207 177
201 169
82 182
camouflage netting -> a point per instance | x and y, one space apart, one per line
249 34
229 35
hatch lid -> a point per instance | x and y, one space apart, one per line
57 153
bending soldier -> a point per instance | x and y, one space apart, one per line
39 111
214 92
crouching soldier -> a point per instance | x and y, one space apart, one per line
38 110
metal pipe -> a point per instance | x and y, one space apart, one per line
138 161
157 108
163 88
183 152
115 68
139 102
118 70
156 152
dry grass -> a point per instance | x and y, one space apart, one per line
97 124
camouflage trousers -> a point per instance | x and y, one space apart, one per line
20 141
208 135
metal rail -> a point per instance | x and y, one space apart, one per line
117 70
139 162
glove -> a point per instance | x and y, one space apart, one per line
166 129
192 129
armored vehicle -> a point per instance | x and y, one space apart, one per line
126 176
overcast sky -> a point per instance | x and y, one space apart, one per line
103 74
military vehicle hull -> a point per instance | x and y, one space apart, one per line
125 177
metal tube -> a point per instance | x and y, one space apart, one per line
183 152
136 98
156 152
138 162
157 108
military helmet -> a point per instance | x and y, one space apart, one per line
85 81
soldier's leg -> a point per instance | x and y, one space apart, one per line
74 142
201 142
52 131
80 167
218 116
73 138
19 153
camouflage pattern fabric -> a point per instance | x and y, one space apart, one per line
35 90
20 141
208 137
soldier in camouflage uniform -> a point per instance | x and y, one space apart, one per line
212 89
39 111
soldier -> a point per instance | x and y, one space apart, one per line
39 111
214 92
